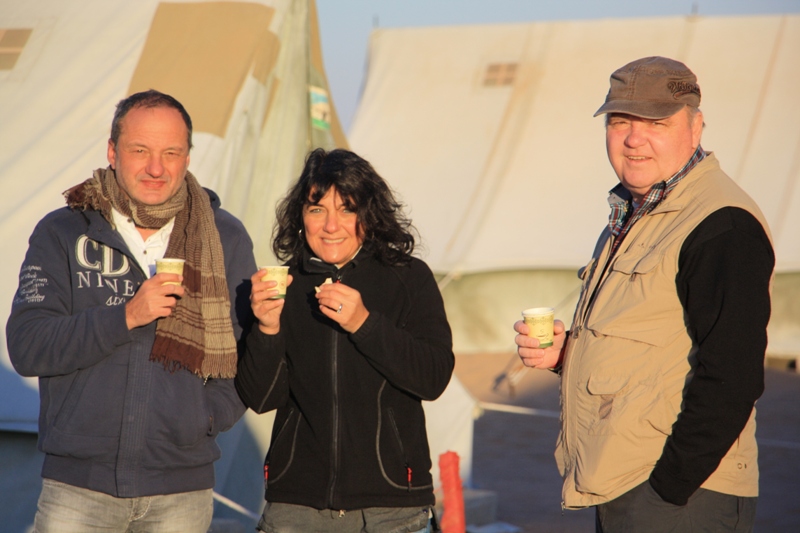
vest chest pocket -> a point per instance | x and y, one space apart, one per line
634 265
638 300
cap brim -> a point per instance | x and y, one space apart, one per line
651 110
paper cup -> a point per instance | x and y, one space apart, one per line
279 274
540 322
170 265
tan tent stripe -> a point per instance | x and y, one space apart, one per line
12 41
202 53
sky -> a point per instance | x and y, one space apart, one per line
345 25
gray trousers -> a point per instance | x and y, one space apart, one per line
642 509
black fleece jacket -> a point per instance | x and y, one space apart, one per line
350 429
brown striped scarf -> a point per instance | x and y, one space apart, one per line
198 335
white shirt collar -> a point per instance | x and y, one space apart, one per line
145 252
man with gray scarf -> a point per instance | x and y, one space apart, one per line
135 367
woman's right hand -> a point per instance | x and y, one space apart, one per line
266 311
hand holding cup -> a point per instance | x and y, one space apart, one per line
540 338
267 298
170 265
278 274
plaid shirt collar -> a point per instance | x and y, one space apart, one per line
620 199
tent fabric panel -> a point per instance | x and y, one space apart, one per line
562 161
731 77
509 139
474 220
770 171
784 325
482 308
435 107
275 158
201 53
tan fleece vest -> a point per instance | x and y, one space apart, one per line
630 356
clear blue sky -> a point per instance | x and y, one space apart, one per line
345 25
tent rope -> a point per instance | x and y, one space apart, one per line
235 506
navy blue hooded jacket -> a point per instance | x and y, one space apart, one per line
110 419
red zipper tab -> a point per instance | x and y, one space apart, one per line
408 470
266 472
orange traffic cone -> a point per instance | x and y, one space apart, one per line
453 520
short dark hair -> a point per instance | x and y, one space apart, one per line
150 98
380 218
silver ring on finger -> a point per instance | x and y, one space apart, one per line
340 308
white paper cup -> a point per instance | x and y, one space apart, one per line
279 274
170 265
540 322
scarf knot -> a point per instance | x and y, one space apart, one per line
198 334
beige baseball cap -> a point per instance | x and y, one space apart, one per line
651 87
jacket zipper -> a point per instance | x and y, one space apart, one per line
337 278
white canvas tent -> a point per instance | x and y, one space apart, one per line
251 75
487 133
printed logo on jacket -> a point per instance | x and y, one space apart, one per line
103 267
100 267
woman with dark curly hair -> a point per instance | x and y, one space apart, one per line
346 358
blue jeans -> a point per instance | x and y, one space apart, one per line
67 509
290 518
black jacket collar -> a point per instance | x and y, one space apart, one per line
312 264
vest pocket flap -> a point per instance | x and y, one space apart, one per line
637 264
604 385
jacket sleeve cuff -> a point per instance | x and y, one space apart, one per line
259 340
118 325
671 490
366 328
268 347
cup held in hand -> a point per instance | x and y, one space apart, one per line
540 322
279 274
170 265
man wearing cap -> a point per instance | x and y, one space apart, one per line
664 360
135 367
